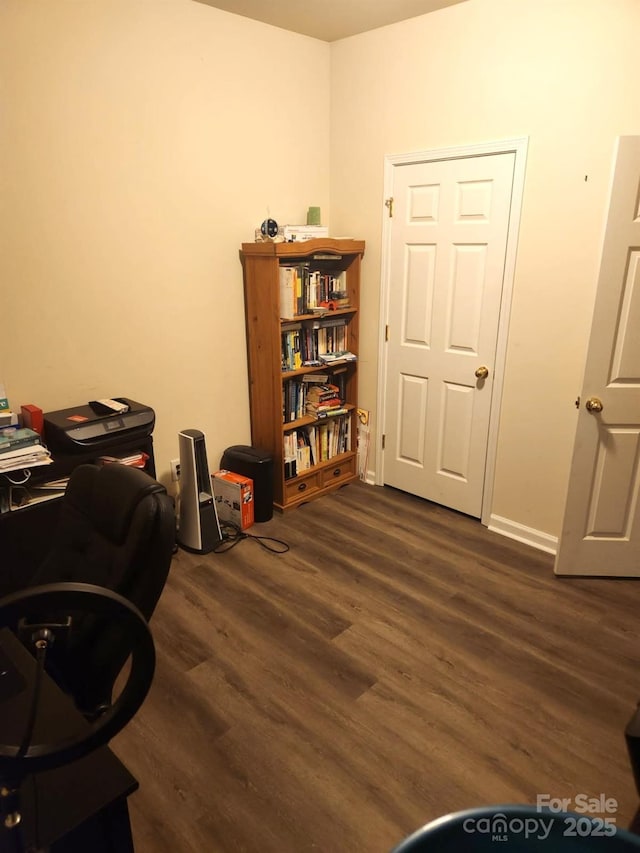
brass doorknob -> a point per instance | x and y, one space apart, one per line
482 372
593 404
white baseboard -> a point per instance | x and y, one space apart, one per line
369 478
528 535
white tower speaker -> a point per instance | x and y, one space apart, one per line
198 527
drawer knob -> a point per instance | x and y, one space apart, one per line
302 487
337 472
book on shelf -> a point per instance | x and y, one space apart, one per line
300 398
293 280
12 439
331 412
303 453
298 451
325 391
325 398
313 378
293 400
324 450
317 410
287 292
291 349
331 357
311 440
319 442
305 291
330 335
305 343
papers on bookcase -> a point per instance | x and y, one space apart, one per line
25 457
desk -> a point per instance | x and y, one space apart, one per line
74 436
76 808
26 534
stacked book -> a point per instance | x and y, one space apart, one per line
339 299
323 401
21 448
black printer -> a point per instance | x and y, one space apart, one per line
82 429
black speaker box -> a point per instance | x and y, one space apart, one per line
258 465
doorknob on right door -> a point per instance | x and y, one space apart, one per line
594 404
482 372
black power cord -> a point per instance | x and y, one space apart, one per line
231 535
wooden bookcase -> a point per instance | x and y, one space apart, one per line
267 377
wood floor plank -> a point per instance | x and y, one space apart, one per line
399 662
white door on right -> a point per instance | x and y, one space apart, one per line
601 530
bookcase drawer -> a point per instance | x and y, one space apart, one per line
343 470
301 487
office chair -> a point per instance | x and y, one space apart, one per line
116 530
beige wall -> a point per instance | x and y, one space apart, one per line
560 72
141 142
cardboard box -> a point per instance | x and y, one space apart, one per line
234 498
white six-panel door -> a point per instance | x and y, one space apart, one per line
601 530
446 270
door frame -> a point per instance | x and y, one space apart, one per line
517 146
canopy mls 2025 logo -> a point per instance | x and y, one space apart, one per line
552 816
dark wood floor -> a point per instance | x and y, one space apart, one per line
400 662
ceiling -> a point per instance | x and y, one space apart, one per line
330 20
